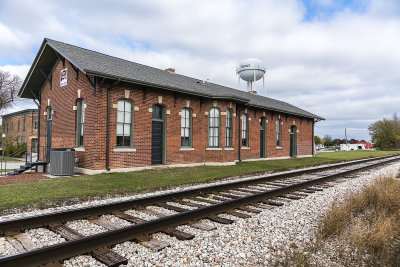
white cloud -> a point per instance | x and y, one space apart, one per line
20 70
344 68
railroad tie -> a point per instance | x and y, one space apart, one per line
290 196
215 197
105 223
249 209
205 200
109 257
299 194
307 191
150 243
238 214
240 192
316 188
245 190
25 242
191 204
273 203
178 234
220 220
203 226
66 232
283 200
263 206
229 195
275 184
16 244
128 217
172 207
153 212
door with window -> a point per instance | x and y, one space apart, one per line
49 123
158 135
262 138
293 141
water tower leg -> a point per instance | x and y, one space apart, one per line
254 78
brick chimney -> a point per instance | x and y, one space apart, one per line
170 70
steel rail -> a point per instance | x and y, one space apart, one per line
44 220
84 245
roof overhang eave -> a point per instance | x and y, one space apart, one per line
288 112
32 68
67 58
34 65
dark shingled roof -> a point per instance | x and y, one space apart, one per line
95 63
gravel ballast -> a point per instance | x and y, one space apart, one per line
264 239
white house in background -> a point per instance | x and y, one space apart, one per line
348 147
319 146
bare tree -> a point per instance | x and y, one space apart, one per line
9 86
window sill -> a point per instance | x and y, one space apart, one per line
278 147
245 147
213 148
229 148
80 149
186 149
124 149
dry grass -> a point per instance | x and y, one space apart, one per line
367 224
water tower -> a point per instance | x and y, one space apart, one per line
251 70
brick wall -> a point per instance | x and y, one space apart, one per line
10 127
93 155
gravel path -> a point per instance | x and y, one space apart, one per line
264 239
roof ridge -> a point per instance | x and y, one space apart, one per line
129 61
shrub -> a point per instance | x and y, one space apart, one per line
13 149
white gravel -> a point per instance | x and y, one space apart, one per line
43 237
6 248
83 261
86 227
264 239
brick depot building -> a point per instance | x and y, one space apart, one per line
119 114
21 127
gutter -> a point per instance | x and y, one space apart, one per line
108 130
108 123
239 130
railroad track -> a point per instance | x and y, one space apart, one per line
240 199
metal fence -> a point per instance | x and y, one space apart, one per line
30 155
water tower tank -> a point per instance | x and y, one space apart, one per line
251 70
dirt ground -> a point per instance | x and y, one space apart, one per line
24 177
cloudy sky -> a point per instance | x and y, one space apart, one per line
336 58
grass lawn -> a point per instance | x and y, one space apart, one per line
83 187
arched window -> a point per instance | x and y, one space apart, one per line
228 125
125 123
278 133
186 127
213 128
80 120
49 115
245 130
